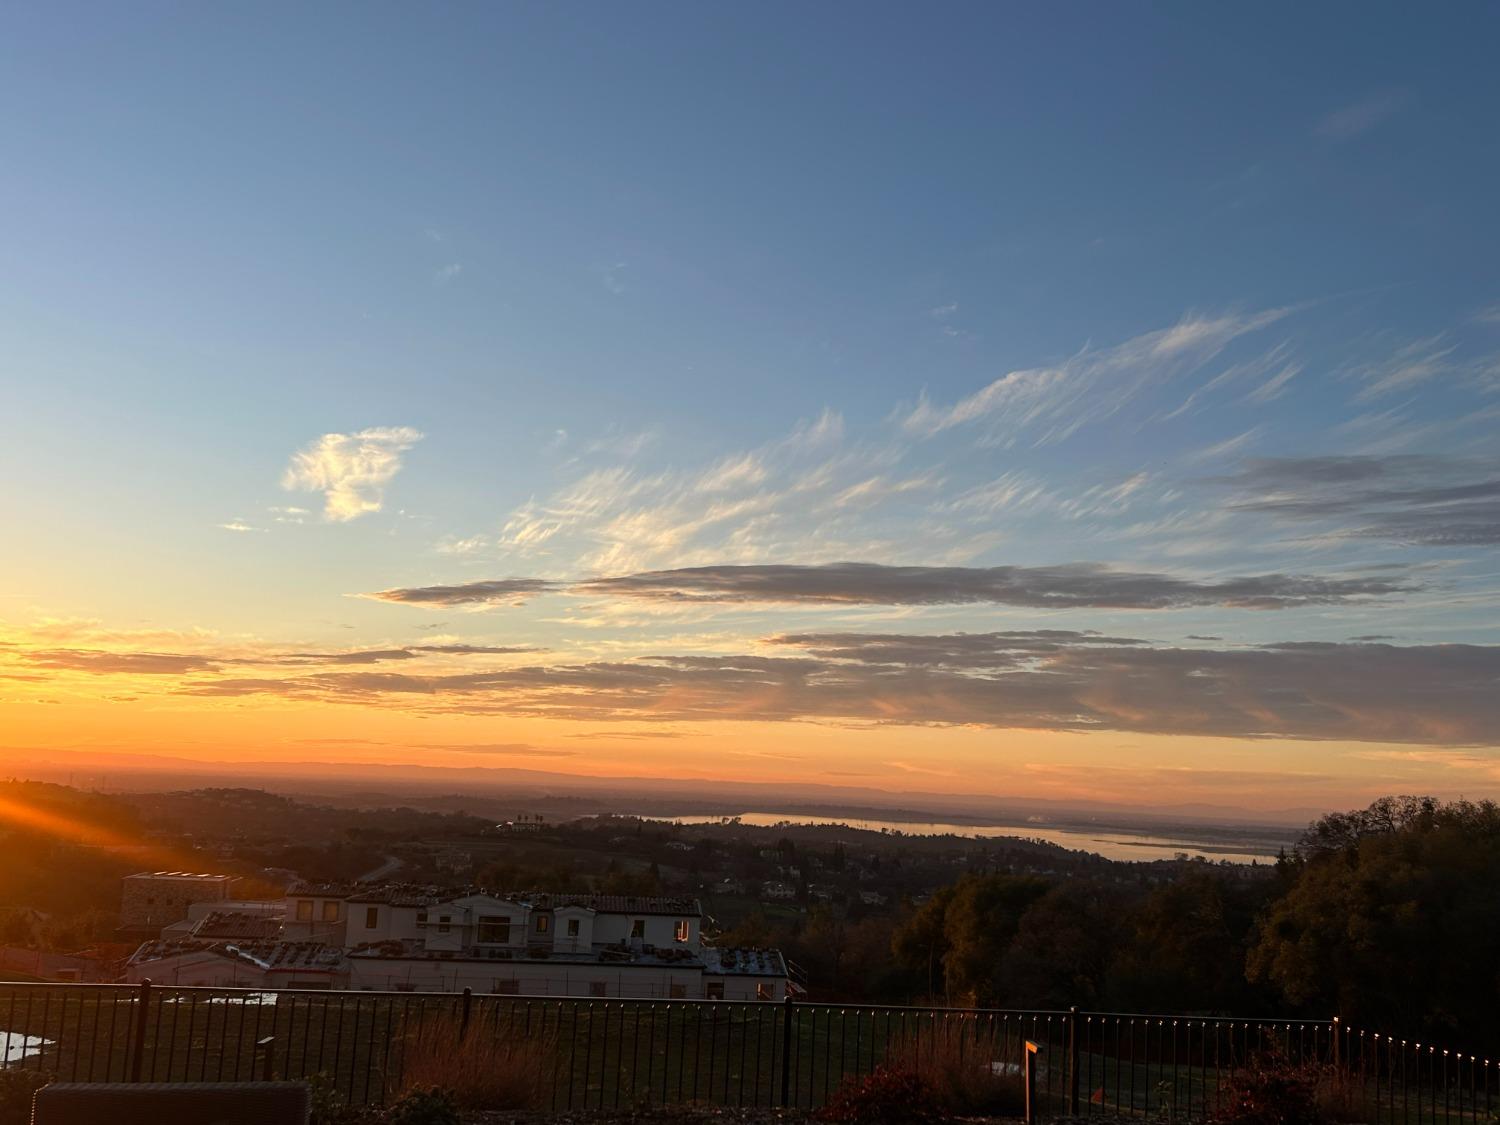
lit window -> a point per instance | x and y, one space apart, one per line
304 910
572 927
542 922
684 930
330 912
493 931
764 991
372 917
638 928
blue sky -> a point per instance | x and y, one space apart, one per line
611 289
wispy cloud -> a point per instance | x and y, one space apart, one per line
238 525
1407 367
445 274
1051 404
1360 117
351 470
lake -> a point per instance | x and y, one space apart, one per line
1112 843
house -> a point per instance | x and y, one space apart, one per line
316 912
405 938
524 822
150 900
776 889
397 937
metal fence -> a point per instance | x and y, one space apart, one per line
594 1053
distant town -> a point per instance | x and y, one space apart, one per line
287 892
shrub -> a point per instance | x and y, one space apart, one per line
885 1096
423 1107
959 1068
1270 1091
1341 1099
17 1087
487 1067
329 1106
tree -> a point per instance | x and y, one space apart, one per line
965 930
1063 948
1184 948
1392 921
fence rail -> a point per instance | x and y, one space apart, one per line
622 1053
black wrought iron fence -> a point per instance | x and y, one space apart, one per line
594 1053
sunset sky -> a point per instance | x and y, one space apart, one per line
1087 402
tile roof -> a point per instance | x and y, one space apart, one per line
262 954
233 925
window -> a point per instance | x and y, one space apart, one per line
330 912
598 988
638 928
677 991
493 931
511 987
421 918
714 990
572 927
304 910
372 917
764 991
684 930
542 922
444 923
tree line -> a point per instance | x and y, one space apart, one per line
1387 917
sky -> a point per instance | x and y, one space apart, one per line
1081 401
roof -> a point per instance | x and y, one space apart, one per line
322 890
233 925
744 962
612 904
261 954
180 875
406 894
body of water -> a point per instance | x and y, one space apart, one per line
1112 843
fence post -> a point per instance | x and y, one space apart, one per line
463 1019
786 1051
264 1047
1336 1051
1029 1053
138 1047
1073 1062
